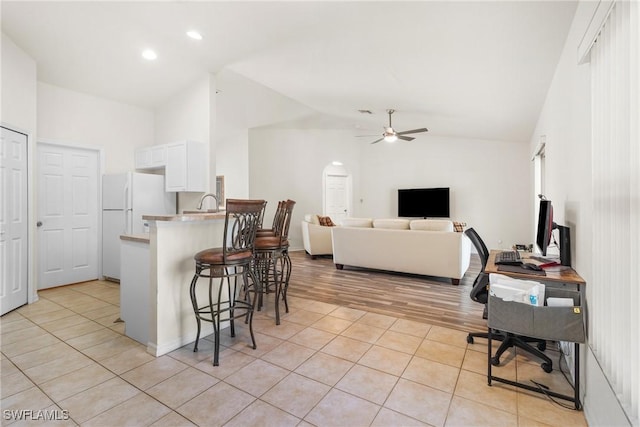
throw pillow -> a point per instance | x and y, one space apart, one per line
459 226
325 221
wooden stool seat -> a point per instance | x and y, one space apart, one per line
272 242
215 256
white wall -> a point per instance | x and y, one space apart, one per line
190 115
243 104
75 118
288 164
232 161
185 115
566 121
18 111
18 87
488 182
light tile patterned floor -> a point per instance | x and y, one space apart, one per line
325 365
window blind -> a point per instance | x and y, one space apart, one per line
614 298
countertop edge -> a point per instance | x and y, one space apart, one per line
142 238
186 217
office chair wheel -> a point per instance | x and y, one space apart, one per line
469 339
547 367
495 361
542 345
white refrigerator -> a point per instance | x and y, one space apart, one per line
125 198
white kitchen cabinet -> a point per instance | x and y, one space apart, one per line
153 157
186 168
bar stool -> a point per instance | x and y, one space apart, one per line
229 263
272 261
277 221
261 217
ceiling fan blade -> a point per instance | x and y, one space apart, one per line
405 138
368 136
377 140
412 131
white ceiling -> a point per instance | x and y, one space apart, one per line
474 69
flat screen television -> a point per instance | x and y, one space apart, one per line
423 202
545 226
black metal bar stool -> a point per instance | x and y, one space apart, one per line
272 261
229 263
260 264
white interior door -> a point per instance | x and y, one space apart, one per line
336 196
67 215
13 221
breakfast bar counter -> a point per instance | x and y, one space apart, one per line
173 241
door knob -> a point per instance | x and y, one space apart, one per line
39 224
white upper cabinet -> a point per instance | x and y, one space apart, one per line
186 166
153 157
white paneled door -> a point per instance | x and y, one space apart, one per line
67 215
13 220
337 196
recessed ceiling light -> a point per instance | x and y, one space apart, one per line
149 54
194 35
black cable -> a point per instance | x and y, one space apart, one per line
544 388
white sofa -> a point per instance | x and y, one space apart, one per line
426 247
316 238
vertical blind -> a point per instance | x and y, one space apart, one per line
614 297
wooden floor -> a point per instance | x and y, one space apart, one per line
426 299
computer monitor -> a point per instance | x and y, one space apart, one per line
545 226
545 229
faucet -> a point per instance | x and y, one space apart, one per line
209 195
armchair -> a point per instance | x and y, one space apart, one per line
316 238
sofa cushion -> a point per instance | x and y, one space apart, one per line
325 221
392 223
312 219
356 222
431 225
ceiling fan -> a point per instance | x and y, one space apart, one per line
390 134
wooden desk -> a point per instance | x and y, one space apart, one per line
556 276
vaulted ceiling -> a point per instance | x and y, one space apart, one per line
476 69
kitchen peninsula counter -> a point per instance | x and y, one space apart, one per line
173 241
140 238
186 217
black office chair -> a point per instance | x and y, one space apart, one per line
480 293
480 290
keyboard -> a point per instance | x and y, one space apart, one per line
508 257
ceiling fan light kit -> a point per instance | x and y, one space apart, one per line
390 135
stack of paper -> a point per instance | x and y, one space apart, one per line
516 290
